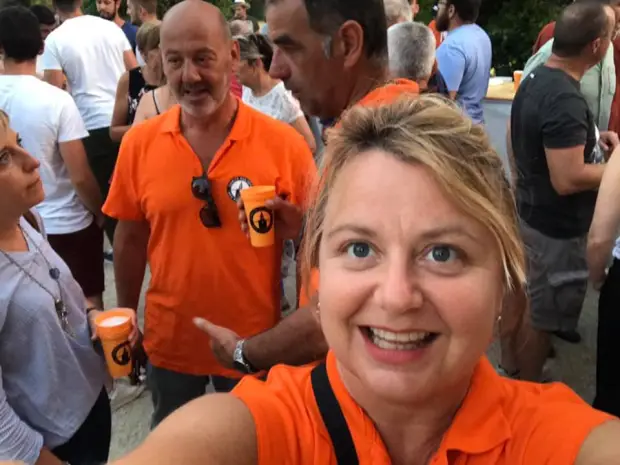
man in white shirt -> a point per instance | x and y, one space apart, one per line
47 23
93 53
51 129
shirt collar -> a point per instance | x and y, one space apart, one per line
479 425
241 127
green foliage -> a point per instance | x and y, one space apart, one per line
513 25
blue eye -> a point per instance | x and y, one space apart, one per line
359 250
442 254
5 157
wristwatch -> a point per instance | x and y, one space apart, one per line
240 362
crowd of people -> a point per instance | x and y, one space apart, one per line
412 246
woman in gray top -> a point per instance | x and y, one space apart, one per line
53 405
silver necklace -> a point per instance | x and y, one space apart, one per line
54 272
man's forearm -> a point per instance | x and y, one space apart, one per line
47 458
589 178
296 340
599 254
129 266
89 193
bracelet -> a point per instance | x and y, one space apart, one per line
90 309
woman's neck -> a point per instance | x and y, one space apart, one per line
264 85
11 237
412 434
152 77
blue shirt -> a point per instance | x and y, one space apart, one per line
49 381
130 32
464 60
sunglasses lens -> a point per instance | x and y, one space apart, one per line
201 188
209 217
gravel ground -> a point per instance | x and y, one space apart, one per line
574 365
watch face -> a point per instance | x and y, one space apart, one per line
240 367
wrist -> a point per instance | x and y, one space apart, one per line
240 360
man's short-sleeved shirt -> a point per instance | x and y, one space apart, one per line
199 272
89 50
45 116
464 60
130 31
549 112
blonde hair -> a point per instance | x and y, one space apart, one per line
147 37
430 131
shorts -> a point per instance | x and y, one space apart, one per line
557 279
82 251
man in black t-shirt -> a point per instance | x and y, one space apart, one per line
558 154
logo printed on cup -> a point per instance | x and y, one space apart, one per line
121 354
261 220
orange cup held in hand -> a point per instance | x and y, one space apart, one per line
113 329
517 75
260 218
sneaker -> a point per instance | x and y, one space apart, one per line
123 393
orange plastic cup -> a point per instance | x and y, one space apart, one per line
517 75
113 329
260 218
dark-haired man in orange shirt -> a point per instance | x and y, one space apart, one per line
174 193
331 54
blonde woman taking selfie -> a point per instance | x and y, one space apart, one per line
415 236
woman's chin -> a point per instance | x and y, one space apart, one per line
398 386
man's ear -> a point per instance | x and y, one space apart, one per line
235 55
351 37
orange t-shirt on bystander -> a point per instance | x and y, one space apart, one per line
213 273
433 27
501 421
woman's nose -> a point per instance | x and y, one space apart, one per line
29 162
399 291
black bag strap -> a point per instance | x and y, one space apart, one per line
333 418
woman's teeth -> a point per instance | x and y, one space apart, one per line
400 341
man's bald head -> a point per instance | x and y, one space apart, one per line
195 13
199 56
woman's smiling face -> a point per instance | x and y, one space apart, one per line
410 287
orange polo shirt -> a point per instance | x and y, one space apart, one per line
433 27
501 421
381 95
199 272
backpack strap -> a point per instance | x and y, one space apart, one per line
333 418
